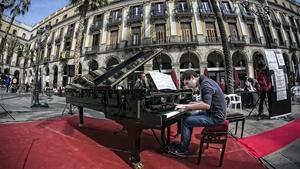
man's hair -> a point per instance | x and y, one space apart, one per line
188 74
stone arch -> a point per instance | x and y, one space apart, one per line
215 59
258 60
64 74
93 65
295 67
286 61
164 61
189 60
47 71
111 62
55 76
239 62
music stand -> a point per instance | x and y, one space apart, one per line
257 104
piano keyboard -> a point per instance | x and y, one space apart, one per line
172 113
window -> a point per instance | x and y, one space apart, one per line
160 30
206 5
289 37
226 7
95 42
159 8
280 39
182 5
211 32
57 50
252 33
56 21
98 19
292 21
114 39
14 32
116 15
233 31
24 35
186 32
136 36
49 52
65 16
136 11
296 38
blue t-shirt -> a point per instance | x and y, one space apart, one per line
212 95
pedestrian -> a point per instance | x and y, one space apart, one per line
265 86
210 111
141 82
32 90
7 83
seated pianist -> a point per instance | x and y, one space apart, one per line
210 111
141 82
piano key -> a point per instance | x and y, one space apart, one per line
172 113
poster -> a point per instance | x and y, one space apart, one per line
279 57
271 59
280 84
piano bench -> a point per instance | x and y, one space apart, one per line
215 135
236 117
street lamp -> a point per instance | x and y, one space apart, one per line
262 12
40 40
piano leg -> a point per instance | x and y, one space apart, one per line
134 135
80 116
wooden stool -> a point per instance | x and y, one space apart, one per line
216 135
236 117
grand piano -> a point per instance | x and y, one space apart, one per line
134 109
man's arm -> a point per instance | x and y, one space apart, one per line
193 106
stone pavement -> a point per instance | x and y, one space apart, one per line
19 107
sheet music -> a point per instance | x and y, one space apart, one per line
162 81
271 59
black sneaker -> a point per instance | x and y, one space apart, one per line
176 149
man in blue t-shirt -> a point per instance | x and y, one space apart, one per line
210 111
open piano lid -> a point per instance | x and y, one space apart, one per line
108 79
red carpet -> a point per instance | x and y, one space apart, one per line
268 142
60 144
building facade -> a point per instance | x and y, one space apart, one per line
186 30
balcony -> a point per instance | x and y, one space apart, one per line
274 43
58 40
282 43
92 50
69 36
207 15
286 25
159 16
230 15
112 47
96 28
46 60
213 40
184 14
275 22
248 16
114 23
237 41
135 20
293 46
256 41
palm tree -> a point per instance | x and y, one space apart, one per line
11 48
27 54
84 6
225 45
5 4
19 7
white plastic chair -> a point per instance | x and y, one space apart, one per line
235 100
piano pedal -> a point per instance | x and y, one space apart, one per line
138 165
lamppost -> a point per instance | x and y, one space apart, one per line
262 12
40 40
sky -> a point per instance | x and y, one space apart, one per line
39 10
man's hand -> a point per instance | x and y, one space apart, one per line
181 107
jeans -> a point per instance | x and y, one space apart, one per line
201 119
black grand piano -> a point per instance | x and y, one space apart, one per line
134 109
